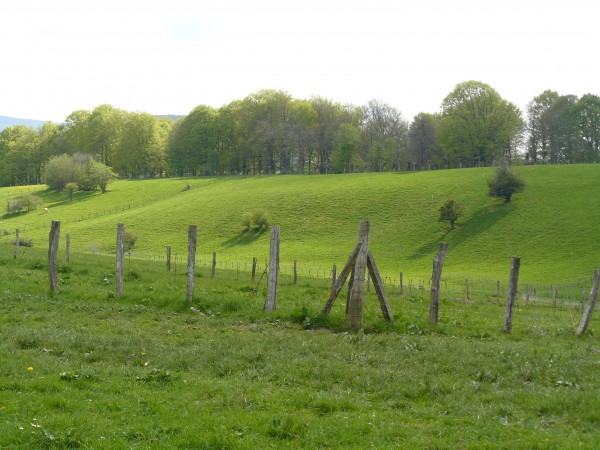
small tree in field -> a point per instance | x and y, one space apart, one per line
451 211
505 183
70 189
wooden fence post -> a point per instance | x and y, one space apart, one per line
271 301
214 265
554 296
192 234
254 261
515 264
401 284
355 306
436 278
587 315
120 257
52 255
16 243
295 273
498 291
168 258
333 275
467 287
68 248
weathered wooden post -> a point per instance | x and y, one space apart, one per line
467 288
350 285
271 301
333 275
68 248
120 260
515 264
379 286
401 284
52 255
436 279
368 282
254 261
587 315
295 273
192 232
168 258
582 302
554 296
355 306
16 243
498 291
214 265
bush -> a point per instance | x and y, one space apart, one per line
260 218
247 220
505 183
29 202
79 168
450 211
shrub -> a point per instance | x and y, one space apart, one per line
261 218
450 211
247 220
28 202
130 240
505 183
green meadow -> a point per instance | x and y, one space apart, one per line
83 369
553 226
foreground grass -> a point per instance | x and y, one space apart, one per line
82 369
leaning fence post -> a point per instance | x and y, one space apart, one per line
192 232
271 301
587 315
52 255
168 258
119 263
436 278
515 264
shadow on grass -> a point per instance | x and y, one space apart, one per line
52 199
483 219
245 237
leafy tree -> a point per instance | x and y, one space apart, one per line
70 189
260 218
477 125
450 211
538 142
505 183
80 169
586 117
422 142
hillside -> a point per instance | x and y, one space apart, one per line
6 121
552 226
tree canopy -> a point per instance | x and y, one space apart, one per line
270 132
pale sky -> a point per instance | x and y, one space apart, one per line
169 56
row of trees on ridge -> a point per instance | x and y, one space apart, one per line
270 132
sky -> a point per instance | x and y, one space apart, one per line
169 56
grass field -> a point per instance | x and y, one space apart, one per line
553 226
81 369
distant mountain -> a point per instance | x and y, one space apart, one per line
12 121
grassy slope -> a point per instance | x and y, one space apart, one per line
553 226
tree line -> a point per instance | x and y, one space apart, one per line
271 132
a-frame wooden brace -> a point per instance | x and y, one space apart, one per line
350 268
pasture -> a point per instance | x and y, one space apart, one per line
83 369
